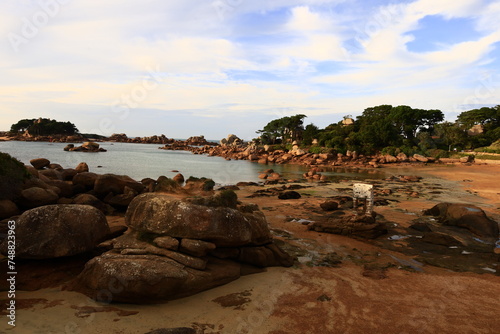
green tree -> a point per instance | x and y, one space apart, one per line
488 118
450 135
375 129
409 121
22 125
310 133
285 129
44 127
337 136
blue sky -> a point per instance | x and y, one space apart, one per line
191 67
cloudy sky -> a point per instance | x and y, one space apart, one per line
213 67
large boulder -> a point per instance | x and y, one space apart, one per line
178 247
365 227
420 158
199 185
144 279
68 174
54 231
121 201
82 167
166 185
231 140
66 189
86 179
51 174
161 214
39 163
467 216
402 157
111 183
88 199
36 196
90 146
8 208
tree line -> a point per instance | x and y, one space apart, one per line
43 127
390 129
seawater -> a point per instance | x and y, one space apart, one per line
140 161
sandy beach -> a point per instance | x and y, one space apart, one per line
368 291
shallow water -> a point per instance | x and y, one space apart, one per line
146 160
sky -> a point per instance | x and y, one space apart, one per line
213 67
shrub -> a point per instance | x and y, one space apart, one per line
391 150
438 153
12 175
319 150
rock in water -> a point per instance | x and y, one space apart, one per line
58 230
160 214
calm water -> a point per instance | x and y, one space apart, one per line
146 160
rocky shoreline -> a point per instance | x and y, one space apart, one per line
233 148
149 241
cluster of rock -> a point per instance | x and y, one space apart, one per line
123 138
231 141
77 138
314 174
456 236
198 141
265 154
50 183
179 247
270 175
188 144
89 146
177 244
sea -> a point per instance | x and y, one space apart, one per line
141 161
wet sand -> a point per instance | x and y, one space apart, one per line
308 298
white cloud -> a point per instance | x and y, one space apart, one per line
92 53
304 20
447 8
